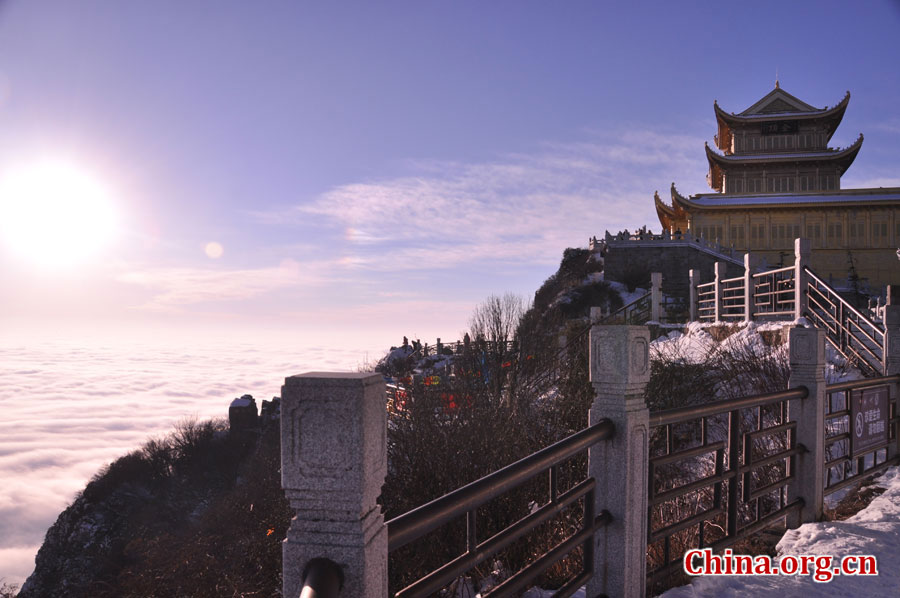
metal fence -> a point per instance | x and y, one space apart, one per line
855 336
732 291
788 294
773 293
637 312
706 301
657 484
848 459
465 503
717 473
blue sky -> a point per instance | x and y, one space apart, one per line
377 169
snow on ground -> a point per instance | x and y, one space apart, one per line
695 345
873 531
622 290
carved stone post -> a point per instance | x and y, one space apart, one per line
802 253
719 269
807 362
748 288
333 465
656 296
892 331
694 276
892 351
620 369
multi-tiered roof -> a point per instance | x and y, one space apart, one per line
775 154
768 147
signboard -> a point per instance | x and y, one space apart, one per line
779 127
868 419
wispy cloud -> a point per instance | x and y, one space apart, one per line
891 125
174 287
518 208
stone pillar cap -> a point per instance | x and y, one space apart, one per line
334 379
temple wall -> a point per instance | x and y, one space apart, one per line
870 235
673 260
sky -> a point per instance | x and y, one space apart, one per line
198 198
369 170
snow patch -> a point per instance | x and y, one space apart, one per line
873 531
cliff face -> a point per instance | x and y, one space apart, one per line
200 513
80 549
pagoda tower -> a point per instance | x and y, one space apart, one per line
775 178
779 145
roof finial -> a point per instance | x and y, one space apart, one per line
776 78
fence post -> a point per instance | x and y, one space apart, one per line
892 331
333 465
748 289
802 252
656 296
620 369
694 277
892 353
807 363
719 269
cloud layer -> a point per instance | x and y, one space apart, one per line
173 287
70 408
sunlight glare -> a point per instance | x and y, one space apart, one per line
54 214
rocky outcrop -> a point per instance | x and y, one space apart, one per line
198 513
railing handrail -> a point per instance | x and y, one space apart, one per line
844 302
735 279
775 271
624 308
414 524
864 383
679 414
322 578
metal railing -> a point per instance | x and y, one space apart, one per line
465 502
843 466
640 311
636 312
733 307
714 477
706 301
855 336
773 293
322 578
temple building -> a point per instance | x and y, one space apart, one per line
776 179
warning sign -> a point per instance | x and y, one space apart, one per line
868 419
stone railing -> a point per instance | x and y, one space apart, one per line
647 238
793 292
334 462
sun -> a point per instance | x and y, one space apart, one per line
54 214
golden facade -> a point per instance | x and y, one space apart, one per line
777 179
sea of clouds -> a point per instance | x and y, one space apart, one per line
68 407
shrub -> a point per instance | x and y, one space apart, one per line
451 435
636 276
8 590
739 364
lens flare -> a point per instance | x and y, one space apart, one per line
214 250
